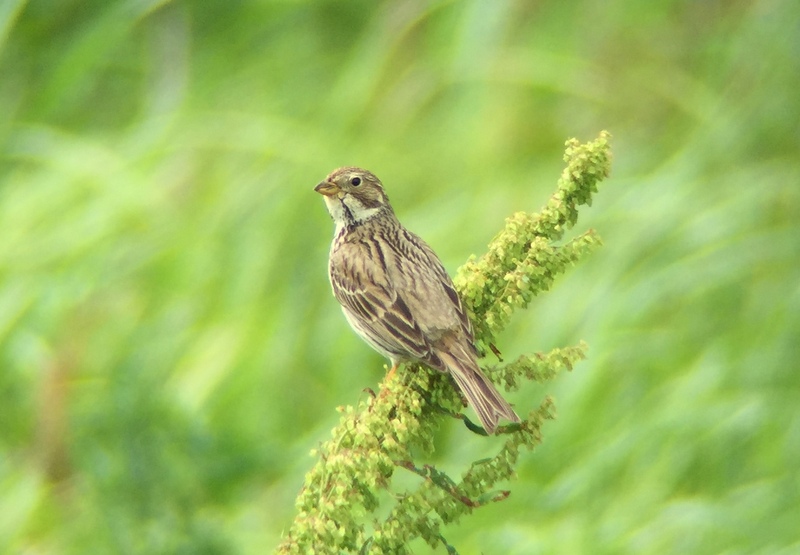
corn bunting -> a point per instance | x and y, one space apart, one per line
396 294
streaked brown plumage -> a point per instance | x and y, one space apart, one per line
396 294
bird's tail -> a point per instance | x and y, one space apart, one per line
476 387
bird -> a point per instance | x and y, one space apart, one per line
396 294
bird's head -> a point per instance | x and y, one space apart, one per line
353 196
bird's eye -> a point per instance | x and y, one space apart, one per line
355 182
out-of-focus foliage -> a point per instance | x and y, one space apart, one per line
169 350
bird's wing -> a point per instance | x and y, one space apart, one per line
446 283
375 307
395 288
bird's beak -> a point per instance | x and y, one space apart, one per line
328 189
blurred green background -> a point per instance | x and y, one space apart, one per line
169 348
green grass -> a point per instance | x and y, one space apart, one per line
169 348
